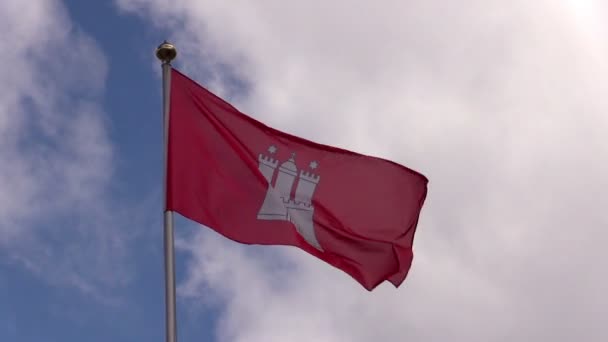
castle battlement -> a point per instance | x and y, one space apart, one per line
294 204
269 161
309 176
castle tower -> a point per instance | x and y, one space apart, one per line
267 166
287 175
306 187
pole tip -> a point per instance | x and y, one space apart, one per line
166 52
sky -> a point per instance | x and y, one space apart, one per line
501 105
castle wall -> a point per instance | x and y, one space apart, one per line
273 207
302 218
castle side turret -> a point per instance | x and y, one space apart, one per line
267 166
306 187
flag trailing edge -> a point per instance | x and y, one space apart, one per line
258 185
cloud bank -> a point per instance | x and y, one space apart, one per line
501 105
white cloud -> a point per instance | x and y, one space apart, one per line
501 105
55 154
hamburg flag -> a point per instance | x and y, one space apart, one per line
257 185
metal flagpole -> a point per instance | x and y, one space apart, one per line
166 52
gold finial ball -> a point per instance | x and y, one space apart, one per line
166 52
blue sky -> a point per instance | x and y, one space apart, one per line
37 307
501 107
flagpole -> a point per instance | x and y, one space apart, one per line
166 52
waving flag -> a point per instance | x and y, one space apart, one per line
257 185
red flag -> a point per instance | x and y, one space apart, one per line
256 185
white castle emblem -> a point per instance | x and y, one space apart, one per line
279 204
